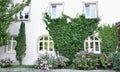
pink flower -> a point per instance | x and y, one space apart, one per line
83 56
109 64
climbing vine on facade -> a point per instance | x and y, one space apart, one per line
69 33
108 35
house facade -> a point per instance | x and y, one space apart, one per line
38 40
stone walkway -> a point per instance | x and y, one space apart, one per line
56 70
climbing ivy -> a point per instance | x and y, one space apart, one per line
108 35
69 33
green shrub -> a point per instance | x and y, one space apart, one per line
108 35
115 59
21 44
104 61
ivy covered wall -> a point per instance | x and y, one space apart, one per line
108 36
69 33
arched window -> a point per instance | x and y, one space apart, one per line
45 44
11 44
92 44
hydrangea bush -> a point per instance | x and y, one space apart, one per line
48 61
85 61
5 62
88 61
42 63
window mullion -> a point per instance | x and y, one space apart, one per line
43 45
94 46
89 45
48 44
99 46
85 45
11 45
90 11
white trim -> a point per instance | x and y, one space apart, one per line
93 41
12 47
56 4
28 19
90 4
48 45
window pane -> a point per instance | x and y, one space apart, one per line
96 46
9 46
24 14
53 11
87 10
41 46
91 45
96 38
14 44
93 10
46 46
41 38
59 10
46 38
51 46
50 38
26 11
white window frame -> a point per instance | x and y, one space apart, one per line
12 48
56 4
24 19
93 49
90 13
48 43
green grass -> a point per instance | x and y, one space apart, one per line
21 66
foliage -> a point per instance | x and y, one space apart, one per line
7 10
104 61
90 61
85 61
21 44
115 59
43 63
69 33
48 61
5 63
108 34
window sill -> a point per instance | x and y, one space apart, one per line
91 17
43 52
10 52
23 20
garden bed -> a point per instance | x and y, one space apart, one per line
54 70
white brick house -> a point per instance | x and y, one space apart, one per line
38 40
